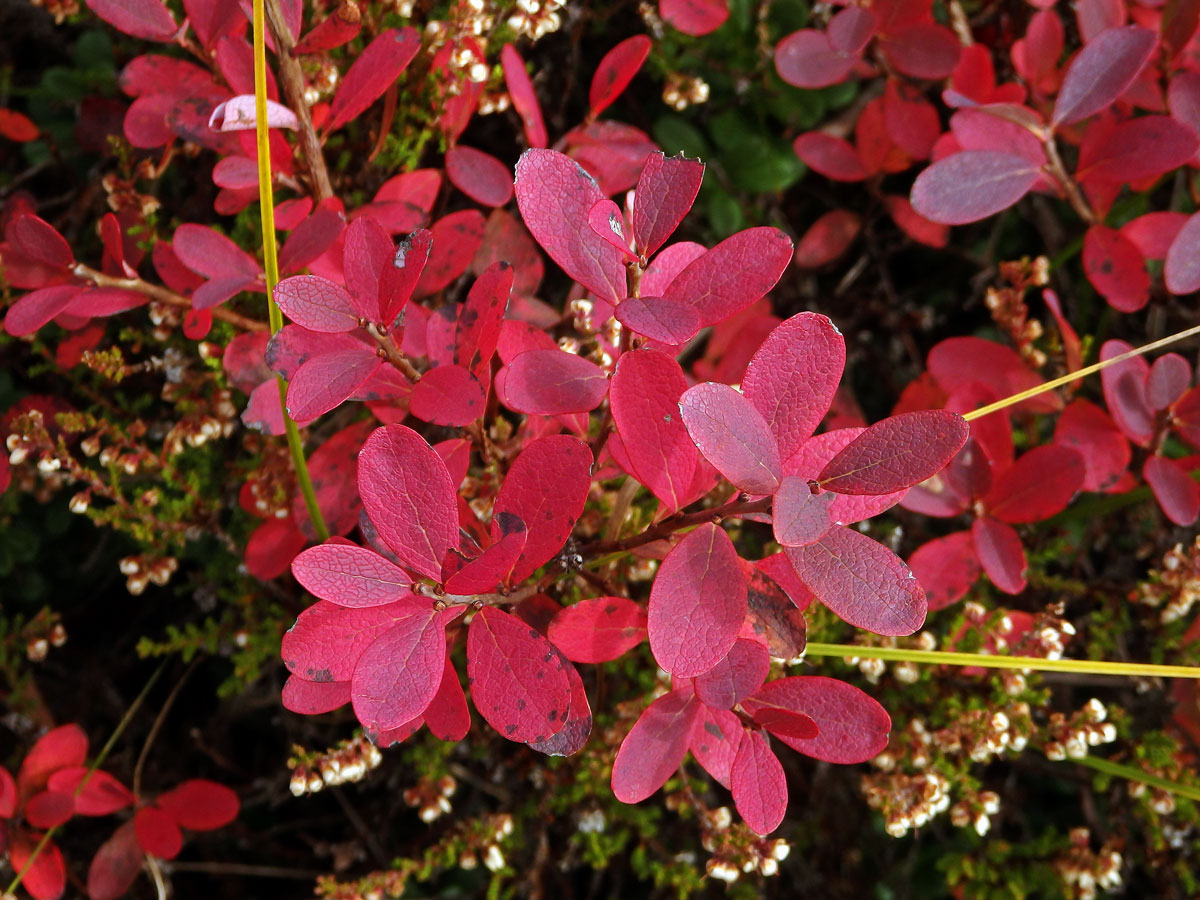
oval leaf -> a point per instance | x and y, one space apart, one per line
896 453
972 185
599 629
351 576
758 784
398 675
851 726
733 436
553 382
655 746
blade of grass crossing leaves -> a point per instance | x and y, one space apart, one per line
1130 773
270 262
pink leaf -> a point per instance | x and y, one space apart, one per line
317 303
831 156
946 568
492 566
792 378
49 809
327 640
409 496
399 673
456 237
447 395
694 17
310 698
351 576
1182 269
1115 268
798 516
659 319
1092 433
333 468
1174 489
733 274
896 453
1102 71
40 241
758 784
112 870
785 722
401 279
478 328
1000 553
655 746
615 71
555 195
366 252
733 436
149 20
157 834
101 796
697 603
956 361
773 616
213 255
862 581
524 98
923 50
1169 377
447 715
714 742
851 726
553 382
240 113
546 487
851 29
200 805
327 380
599 629
972 185
805 59
311 238
1038 485
37 308
606 222
829 237
479 175
518 680
815 454
644 397
372 73
665 192
739 674
574 734
1145 147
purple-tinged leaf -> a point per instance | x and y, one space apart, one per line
773 616
805 59
798 516
398 675
655 746
326 380
1169 377
1181 271
896 453
665 192
644 397
366 253
946 568
211 254
862 581
409 496
732 435
615 71
739 674
351 576
240 113
851 29
326 641
1102 71
922 50
311 698
555 195
447 715
1145 147
999 550
1174 489
553 382
812 457
518 680
697 603
372 73
694 17
793 376
312 237
714 742
733 274
447 395
972 185
479 175
574 734
599 629
317 304
831 156
851 726
149 20
758 784
659 319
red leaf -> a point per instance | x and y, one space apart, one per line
340 27
574 734
372 73
456 237
325 643
1181 271
1115 268
851 726
972 185
665 192
506 240
327 380
157 833
479 175
333 469
1092 433
519 682
714 742
615 71
915 225
758 784
831 156
199 804
555 195
644 397
1101 72
37 308
311 698
923 50
1153 233
655 746
792 378
851 29
863 582
447 395
785 722
1000 553
211 254
606 221
409 496
524 98
896 453
478 328
49 809
773 615
1038 485
694 17
149 20
351 576
733 274
912 121
1169 377
798 516
398 674
8 794
739 674
115 866
102 794
697 603
1174 489
492 567
406 274
17 126
553 382
317 304
56 749
546 487
1145 147
989 127
815 454
805 59
659 319
828 237
946 567
40 241
447 715
956 361
733 436
599 629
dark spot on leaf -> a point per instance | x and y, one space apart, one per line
521 704
553 715
322 676
509 729
713 729
610 608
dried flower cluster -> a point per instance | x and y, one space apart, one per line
350 760
1176 586
1085 873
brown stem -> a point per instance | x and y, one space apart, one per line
164 295
1067 183
291 81
389 351
675 523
